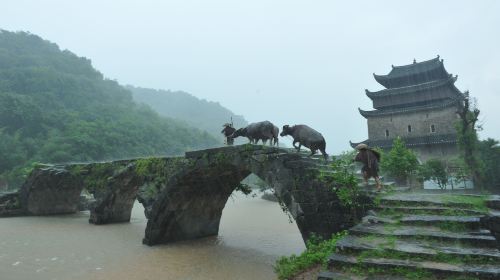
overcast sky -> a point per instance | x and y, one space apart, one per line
288 61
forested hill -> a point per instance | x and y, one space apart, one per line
206 115
55 107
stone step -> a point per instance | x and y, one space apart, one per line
334 275
425 199
474 237
428 209
437 268
418 248
471 222
455 222
493 202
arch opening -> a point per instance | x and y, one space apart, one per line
256 223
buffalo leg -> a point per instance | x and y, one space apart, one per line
325 155
313 152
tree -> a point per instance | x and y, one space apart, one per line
435 170
467 137
489 154
459 171
400 162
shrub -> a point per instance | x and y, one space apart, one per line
435 170
316 253
400 162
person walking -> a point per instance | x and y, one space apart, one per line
370 160
228 131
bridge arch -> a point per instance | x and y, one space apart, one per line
190 205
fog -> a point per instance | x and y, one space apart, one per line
286 61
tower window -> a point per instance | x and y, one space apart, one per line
433 128
409 129
386 133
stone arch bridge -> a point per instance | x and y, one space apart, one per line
184 196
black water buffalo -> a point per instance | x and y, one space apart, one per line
307 137
259 131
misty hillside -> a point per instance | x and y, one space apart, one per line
202 114
55 107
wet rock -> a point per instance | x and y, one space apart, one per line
115 198
377 220
492 222
415 247
443 269
493 202
269 197
85 202
470 222
468 237
51 190
10 205
371 213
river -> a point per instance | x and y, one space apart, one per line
253 234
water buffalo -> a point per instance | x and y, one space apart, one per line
307 137
259 131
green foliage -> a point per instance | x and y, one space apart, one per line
221 158
467 138
489 154
349 196
316 253
156 172
98 175
340 176
55 107
466 201
435 170
400 162
150 166
459 171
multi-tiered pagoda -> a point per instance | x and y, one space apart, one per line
419 104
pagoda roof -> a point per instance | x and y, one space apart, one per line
449 80
435 139
414 73
399 110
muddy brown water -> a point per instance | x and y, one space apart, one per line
253 234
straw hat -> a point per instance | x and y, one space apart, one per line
361 146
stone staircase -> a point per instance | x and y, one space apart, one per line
419 236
